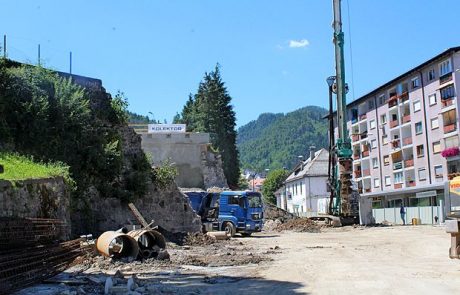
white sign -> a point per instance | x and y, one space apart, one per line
166 128
426 194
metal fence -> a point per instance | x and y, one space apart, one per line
424 215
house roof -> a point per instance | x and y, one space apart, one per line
316 167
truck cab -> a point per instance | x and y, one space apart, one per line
240 212
230 211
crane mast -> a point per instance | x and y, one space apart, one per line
344 198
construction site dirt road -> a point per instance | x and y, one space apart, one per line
348 260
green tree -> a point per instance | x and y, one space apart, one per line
272 183
210 110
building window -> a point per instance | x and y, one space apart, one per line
384 139
382 99
386 160
372 124
420 151
387 180
301 187
447 92
375 163
376 182
418 128
398 177
431 75
438 171
451 141
417 106
383 119
432 99
434 123
371 104
422 174
374 143
415 82
445 68
436 147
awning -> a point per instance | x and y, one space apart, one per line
411 190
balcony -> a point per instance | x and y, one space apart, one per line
406 119
410 183
362 117
398 185
450 128
355 156
366 172
355 138
395 143
393 101
367 190
445 78
447 102
357 173
404 96
408 163
394 123
407 141
397 165
365 154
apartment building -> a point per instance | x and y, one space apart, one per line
405 135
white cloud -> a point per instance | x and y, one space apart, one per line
298 43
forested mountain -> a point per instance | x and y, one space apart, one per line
276 140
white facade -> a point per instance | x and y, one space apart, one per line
305 191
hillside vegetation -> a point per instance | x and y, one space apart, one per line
49 118
17 167
275 141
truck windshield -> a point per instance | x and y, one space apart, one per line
254 201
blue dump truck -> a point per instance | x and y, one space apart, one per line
230 211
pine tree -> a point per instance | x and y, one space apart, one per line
210 111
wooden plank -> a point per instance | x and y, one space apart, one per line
139 216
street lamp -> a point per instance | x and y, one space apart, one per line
331 167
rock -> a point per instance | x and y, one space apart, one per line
131 284
108 286
163 255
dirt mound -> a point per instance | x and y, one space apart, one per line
299 225
198 239
272 212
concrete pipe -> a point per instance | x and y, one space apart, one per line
149 240
117 245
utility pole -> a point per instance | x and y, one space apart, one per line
70 63
39 62
4 46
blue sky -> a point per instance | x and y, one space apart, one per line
275 55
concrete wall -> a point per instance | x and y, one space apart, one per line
36 198
198 165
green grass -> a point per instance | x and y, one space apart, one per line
17 167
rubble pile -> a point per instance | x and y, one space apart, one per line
299 225
199 239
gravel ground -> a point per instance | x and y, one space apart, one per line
348 260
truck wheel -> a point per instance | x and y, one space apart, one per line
246 234
229 228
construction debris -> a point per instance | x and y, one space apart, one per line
22 232
22 266
299 225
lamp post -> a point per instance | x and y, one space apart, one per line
331 167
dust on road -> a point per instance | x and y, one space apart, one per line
348 260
